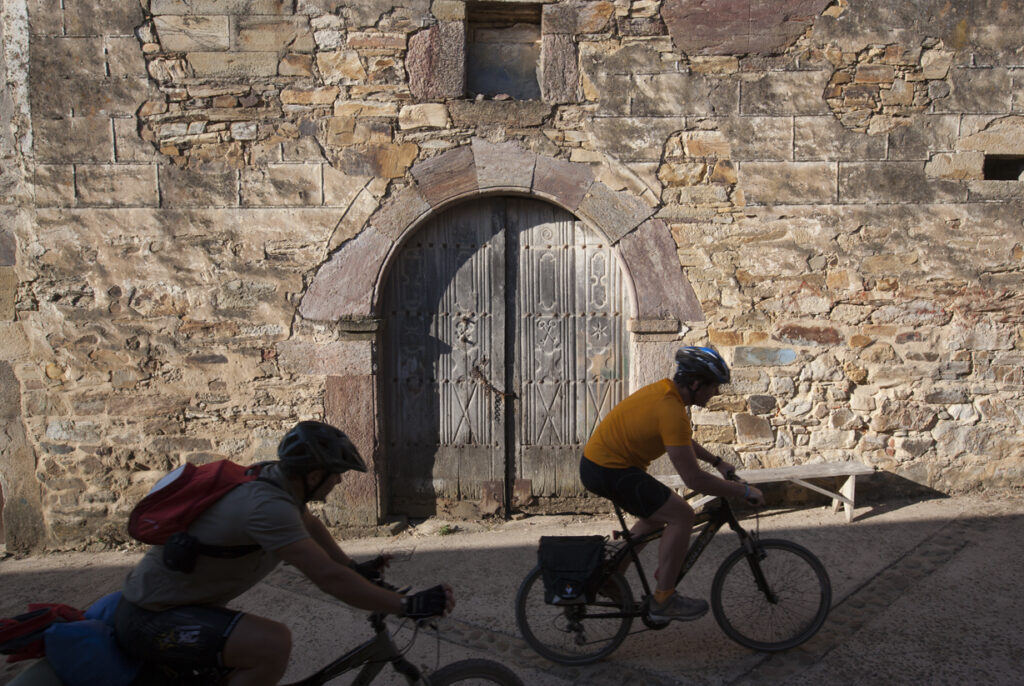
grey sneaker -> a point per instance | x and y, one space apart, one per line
679 608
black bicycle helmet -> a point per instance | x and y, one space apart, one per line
315 445
703 364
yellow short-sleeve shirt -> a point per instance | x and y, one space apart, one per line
637 430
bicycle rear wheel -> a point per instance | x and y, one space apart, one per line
788 610
574 634
474 672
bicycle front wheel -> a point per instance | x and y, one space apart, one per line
469 672
775 601
574 634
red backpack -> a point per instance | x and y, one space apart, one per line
163 516
21 637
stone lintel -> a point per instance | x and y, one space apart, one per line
503 165
662 290
447 176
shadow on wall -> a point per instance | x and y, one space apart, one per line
877 488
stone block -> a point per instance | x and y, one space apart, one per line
436 61
295 95
796 334
400 212
8 247
663 291
559 70
967 165
340 66
54 185
69 57
239 7
922 135
120 185
824 138
349 402
977 91
344 286
1003 136
124 57
233 65
341 189
504 165
562 181
677 94
593 17
336 358
895 182
508 113
753 429
448 10
788 183
179 33
759 138
447 176
357 217
273 34
426 116
85 18
738 27
616 213
8 294
189 188
295 65
785 93
755 356
282 185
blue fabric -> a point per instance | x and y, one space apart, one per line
85 653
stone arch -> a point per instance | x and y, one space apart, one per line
346 288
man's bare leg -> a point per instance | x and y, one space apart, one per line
257 651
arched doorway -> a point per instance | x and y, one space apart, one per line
504 342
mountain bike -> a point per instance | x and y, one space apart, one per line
768 595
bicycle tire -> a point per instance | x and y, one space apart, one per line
474 671
565 633
798 580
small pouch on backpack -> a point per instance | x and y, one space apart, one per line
180 552
569 566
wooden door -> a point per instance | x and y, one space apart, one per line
503 346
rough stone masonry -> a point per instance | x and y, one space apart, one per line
199 201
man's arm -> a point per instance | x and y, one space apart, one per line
684 459
336 578
318 531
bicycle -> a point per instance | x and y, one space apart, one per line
369 657
780 602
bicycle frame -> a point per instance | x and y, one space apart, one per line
713 518
372 655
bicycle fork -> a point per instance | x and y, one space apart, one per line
755 553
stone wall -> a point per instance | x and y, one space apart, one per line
182 179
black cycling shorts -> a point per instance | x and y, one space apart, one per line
192 635
632 489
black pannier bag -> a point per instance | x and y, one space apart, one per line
568 566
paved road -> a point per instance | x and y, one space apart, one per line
924 593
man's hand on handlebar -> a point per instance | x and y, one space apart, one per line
725 469
433 602
752 494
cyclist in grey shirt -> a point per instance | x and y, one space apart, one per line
179 618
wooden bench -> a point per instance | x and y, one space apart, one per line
798 474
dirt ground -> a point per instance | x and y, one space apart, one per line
924 591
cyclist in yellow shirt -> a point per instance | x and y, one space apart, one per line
652 421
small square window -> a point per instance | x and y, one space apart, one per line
1003 167
503 43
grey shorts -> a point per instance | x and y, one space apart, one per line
189 636
632 489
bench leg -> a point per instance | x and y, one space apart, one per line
849 490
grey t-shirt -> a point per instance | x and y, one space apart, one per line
255 512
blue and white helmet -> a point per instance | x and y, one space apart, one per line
702 364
